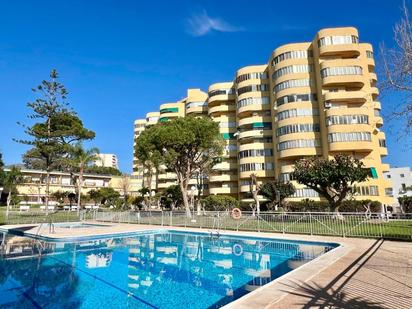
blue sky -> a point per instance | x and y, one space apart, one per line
121 59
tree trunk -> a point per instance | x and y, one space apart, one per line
47 190
79 188
257 205
8 203
183 189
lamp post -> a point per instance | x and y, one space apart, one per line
192 201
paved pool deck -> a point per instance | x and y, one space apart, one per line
361 273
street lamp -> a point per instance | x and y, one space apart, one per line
192 201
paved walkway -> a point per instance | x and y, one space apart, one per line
378 275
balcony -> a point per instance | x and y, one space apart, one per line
222 178
222 108
353 146
299 152
196 110
377 105
259 174
374 92
254 133
344 80
346 96
223 190
340 50
378 121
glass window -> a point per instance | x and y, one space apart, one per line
347 119
335 71
292 83
298 143
258 75
301 68
250 88
349 137
295 54
251 101
311 97
297 128
338 39
290 113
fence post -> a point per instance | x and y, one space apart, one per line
283 223
310 223
258 219
162 218
171 218
380 228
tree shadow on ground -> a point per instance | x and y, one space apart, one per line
333 295
319 297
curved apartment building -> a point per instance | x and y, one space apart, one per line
222 109
316 98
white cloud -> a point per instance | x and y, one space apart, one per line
202 24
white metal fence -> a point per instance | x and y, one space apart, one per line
375 225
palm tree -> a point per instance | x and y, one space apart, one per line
81 158
11 179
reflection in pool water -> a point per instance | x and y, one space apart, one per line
154 270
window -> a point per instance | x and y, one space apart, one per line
196 104
402 175
297 128
251 101
295 54
301 68
250 88
298 143
366 190
305 192
243 77
388 191
338 39
388 176
231 148
154 119
266 139
255 167
256 153
382 143
369 54
290 113
312 97
221 91
169 110
292 83
285 177
349 137
403 187
347 119
230 124
336 71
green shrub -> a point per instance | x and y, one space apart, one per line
219 202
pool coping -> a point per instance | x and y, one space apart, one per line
263 296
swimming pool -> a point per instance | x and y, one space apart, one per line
158 269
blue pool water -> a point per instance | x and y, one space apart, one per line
159 269
76 225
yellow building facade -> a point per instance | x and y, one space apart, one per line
316 98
